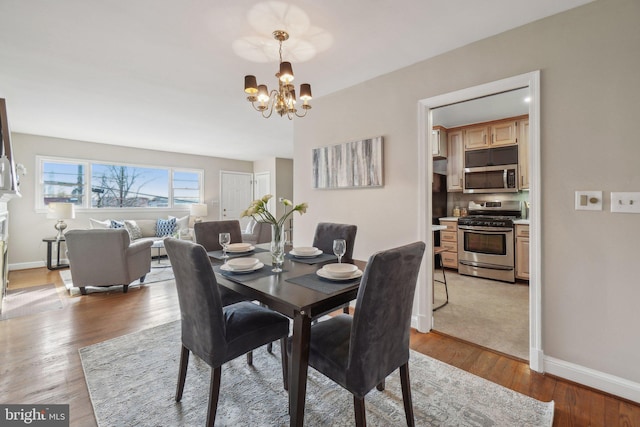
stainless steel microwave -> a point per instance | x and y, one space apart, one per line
491 179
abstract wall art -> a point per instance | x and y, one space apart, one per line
354 164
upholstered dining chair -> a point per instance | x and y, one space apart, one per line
327 232
358 352
214 333
207 233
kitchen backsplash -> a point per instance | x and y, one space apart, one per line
462 199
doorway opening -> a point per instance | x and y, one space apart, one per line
425 320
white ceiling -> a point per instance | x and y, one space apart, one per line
168 75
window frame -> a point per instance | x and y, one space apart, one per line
87 164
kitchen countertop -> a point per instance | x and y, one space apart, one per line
449 218
521 221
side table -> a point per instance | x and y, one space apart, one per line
50 241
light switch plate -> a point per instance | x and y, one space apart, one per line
625 202
588 200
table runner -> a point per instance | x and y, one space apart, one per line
326 286
219 254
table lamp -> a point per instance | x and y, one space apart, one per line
60 211
198 210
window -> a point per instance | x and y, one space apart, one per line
94 185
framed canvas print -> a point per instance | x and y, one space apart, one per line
354 164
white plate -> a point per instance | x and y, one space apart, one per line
313 255
242 263
322 273
239 250
225 267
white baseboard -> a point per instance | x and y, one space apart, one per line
592 378
27 265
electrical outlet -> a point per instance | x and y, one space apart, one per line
625 202
588 200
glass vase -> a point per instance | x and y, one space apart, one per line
277 247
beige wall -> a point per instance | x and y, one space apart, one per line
589 65
27 227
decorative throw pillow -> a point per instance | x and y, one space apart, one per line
165 227
133 229
94 223
181 223
116 224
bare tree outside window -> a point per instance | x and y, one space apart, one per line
116 186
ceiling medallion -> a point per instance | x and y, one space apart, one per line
283 100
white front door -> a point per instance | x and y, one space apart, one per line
263 187
236 194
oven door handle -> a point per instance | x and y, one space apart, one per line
485 229
485 265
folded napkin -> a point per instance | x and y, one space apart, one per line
326 286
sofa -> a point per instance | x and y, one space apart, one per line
141 230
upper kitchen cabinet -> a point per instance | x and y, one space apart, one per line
476 137
439 142
504 133
523 154
494 134
455 160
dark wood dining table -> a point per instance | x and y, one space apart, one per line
299 303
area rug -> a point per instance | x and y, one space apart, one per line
132 380
155 275
25 301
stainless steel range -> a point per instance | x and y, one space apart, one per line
486 242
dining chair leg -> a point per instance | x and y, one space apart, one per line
250 358
406 394
182 373
358 407
125 288
380 386
285 363
214 392
270 347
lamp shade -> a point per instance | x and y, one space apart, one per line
305 91
286 72
250 85
61 211
198 210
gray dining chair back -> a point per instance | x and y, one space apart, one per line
214 333
327 232
207 233
360 351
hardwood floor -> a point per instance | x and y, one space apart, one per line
40 361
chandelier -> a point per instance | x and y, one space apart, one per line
283 100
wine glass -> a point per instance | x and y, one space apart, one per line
339 248
224 239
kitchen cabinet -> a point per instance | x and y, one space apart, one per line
439 142
455 161
449 241
522 251
504 133
476 137
523 154
494 134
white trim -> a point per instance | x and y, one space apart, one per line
423 307
27 265
592 378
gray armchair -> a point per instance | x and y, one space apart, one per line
106 257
